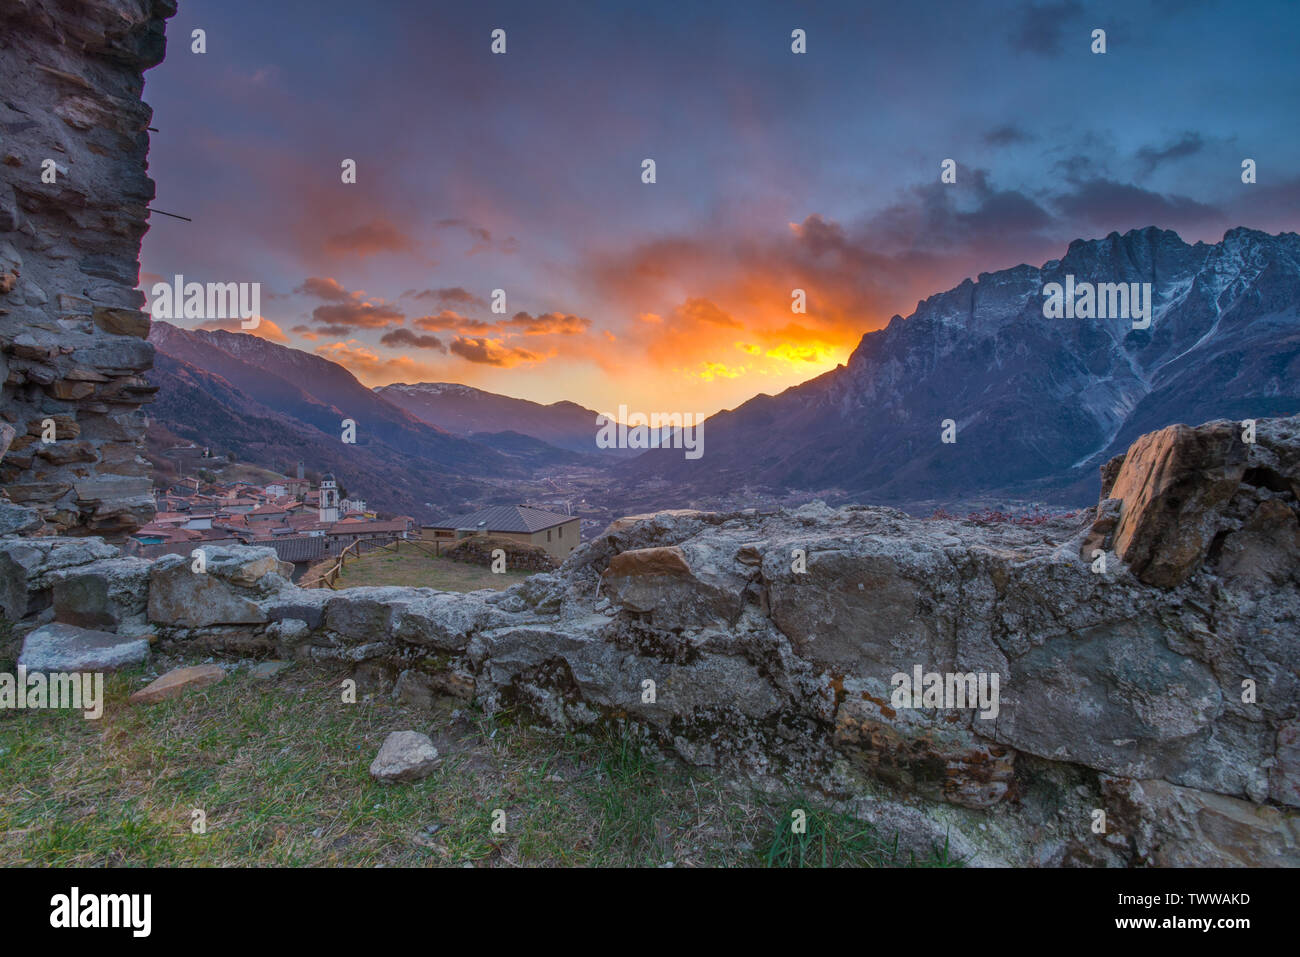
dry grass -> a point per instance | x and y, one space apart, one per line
410 565
279 767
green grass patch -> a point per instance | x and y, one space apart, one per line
279 770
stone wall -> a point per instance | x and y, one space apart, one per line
1172 706
72 338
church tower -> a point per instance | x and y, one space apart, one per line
329 498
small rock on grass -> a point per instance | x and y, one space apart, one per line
269 669
405 756
176 681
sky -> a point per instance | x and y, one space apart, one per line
774 171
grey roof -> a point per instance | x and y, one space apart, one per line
506 518
298 548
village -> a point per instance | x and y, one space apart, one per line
308 523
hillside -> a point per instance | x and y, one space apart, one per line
1038 403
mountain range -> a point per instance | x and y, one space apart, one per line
466 411
274 406
1037 403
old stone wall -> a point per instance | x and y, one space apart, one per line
767 645
74 194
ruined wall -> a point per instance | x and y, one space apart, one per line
72 338
1172 705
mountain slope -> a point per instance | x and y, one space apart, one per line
464 410
321 394
206 409
1038 403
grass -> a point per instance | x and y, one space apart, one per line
279 770
243 472
808 836
410 565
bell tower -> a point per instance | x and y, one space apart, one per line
329 498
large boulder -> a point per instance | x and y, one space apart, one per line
227 592
60 647
103 594
1176 485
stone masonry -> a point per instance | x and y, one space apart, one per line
72 336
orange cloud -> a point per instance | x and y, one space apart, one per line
491 352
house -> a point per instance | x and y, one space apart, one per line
265 513
558 534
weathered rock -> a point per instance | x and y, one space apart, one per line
102 594
227 592
63 647
73 77
269 669
176 682
17 519
1169 826
405 756
28 567
1173 485
675 586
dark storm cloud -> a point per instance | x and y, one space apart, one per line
1109 205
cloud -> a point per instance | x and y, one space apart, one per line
265 329
357 315
546 324
697 310
1108 205
482 238
1006 135
447 296
374 237
1150 157
327 288
405 337
491 352
449 320
1041 26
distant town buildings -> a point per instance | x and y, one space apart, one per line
302 524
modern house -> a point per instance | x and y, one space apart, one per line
558 534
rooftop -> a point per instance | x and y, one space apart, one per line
506 518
